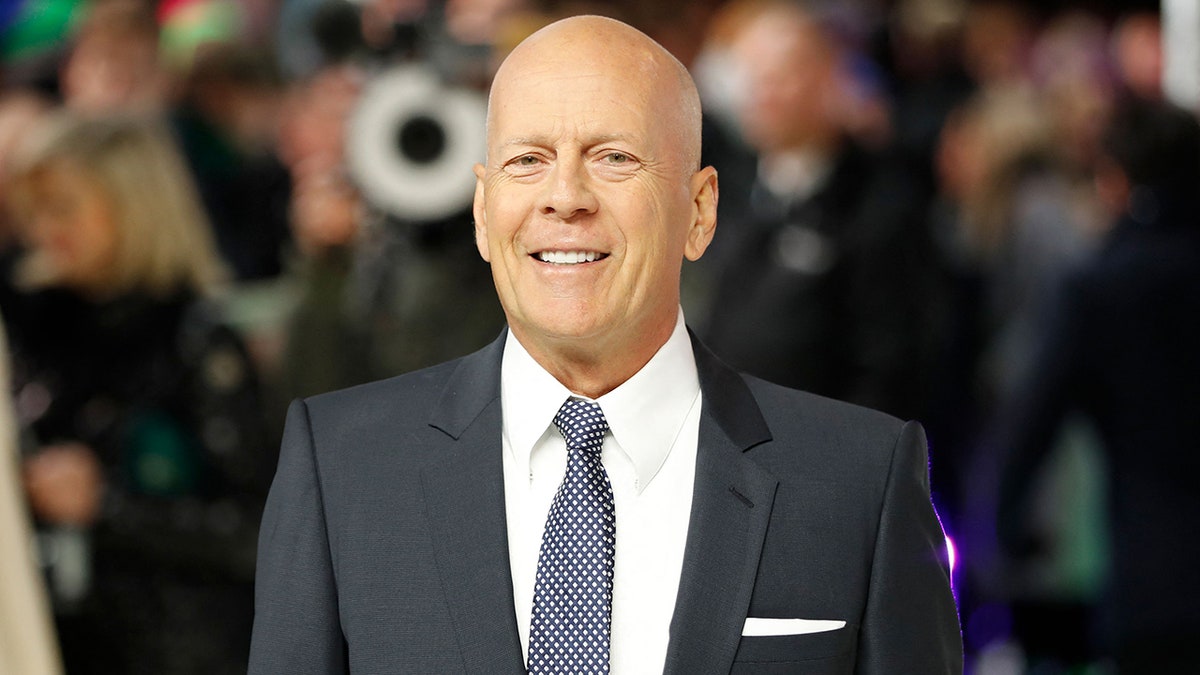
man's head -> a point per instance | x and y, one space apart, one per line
790 68
591 197
1150 153
114 65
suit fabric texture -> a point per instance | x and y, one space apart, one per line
383 546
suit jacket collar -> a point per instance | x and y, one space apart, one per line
464 498
475 383
472 387
731 506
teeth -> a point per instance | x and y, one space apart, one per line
568 257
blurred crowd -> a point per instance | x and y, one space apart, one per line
981 214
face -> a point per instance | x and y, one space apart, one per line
788 78
106 74
68 221
587 204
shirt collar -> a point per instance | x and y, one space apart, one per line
795 175
644 414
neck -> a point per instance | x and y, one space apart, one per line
592 367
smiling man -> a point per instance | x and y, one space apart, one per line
594 491
591 197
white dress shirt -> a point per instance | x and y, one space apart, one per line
650 455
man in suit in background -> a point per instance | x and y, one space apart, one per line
700 521
1121 349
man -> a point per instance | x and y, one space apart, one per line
756 528
824 283
1120 348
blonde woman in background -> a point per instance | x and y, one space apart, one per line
148 461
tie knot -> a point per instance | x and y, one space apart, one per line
582 424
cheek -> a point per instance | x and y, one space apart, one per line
659 236
95 236
53 231
505 214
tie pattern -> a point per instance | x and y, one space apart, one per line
572 603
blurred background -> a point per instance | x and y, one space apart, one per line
981 214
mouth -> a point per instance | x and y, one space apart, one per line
569 257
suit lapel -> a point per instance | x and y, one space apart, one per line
731 506
464 496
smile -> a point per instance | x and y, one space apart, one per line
569 257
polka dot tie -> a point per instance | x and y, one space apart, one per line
572 601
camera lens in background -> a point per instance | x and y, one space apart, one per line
421 139
412 142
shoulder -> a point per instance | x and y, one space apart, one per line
448 396
411 396
788 410
819 435
797 427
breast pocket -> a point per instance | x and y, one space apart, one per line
827 653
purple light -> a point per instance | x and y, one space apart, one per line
951 555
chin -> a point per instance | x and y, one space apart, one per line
562 324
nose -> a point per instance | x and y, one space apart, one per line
568 194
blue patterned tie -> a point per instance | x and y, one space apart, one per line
572 600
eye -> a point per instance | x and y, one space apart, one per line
617 158
528 164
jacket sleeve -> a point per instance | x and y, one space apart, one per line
296 625
911 622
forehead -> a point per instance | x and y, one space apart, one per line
547 97
601 95
781 36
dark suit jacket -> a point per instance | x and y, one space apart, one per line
383 547
830 293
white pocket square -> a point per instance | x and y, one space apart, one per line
756 627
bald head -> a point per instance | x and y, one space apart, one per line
596 46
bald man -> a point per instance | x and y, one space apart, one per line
416 525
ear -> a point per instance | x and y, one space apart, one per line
705 193
480 215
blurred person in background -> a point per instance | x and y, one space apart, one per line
1010 220
147 461
1137 47
1015 213
997 36
382 292
113 63
222 96
227 120
921 53
20 111
825 285
325 348
1072 74
1120 347
27 641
